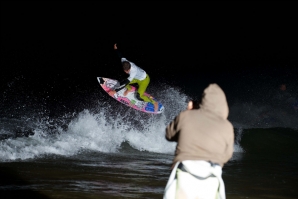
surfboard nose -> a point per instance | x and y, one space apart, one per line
100 80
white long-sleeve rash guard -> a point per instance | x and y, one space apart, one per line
135 71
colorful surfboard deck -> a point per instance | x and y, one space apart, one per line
130 98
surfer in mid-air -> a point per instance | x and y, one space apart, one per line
136 76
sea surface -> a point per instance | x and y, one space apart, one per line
63 139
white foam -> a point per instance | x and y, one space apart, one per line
102 129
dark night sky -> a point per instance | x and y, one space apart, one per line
219 40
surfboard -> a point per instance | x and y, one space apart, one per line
130 99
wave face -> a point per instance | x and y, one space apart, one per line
96 122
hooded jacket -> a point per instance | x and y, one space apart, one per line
204 133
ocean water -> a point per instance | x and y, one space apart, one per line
84 144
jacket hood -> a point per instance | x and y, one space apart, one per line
214 101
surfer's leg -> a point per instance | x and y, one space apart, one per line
128 87
142 88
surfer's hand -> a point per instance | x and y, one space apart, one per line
112 92
115 46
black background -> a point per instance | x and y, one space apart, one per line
190 44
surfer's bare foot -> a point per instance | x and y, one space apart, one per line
155 106
126 92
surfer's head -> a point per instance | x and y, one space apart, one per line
126 66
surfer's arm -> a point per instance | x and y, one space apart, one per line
121 56
123 83
118 52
